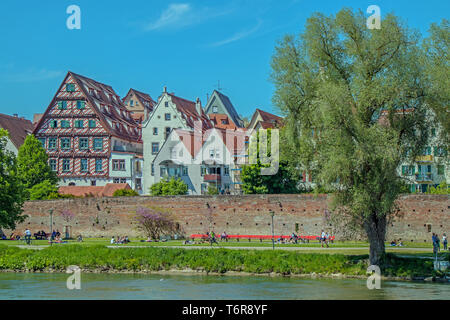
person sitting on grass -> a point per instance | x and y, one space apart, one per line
113 240
393 243
80 238
400 243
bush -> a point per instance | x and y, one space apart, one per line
170 187
43 190
125 193
212 190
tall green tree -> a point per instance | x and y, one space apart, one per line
32 163
354 101
11 189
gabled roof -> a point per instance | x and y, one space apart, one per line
232 113
189 112
108 106
85 191
18 128
269 120
144 98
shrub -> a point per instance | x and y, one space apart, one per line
125 193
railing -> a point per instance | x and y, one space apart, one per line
426 158
211 177
424 177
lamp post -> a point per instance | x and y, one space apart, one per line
51 224
273 241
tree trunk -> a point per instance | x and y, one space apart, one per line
375 227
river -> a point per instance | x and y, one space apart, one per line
138 286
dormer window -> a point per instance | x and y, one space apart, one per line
215 109
70 87
131 103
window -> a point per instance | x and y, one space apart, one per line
203 171
65 143
98 165
215 109
224 121
78 123
118 165
155 147
83 144
173 153
166 104
167 132
211 153
66 165
54 124
185 171
116 180
62 105
83 165
153 169
138 183
123 180
131 102
163 171
52 143
93 183
226 170
440 169
42 141
65 124
70 87
440 151
92 124
98 144
167 116
81 105
155 131
408 170
52 164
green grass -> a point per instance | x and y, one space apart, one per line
59 257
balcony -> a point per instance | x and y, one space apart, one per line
426 158
424 177
212 178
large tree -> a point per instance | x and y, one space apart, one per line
354 105
32 162
11 189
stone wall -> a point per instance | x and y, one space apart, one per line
248 214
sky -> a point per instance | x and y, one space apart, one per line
192 47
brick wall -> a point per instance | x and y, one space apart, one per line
249 214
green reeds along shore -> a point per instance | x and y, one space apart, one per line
58 258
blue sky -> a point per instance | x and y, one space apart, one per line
187 46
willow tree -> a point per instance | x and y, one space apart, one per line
354 98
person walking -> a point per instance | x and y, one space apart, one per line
28 236
444 241
322 237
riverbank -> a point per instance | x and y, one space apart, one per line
98 259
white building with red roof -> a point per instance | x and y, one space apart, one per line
201 158
170 112
90 136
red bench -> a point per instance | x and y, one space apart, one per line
260 237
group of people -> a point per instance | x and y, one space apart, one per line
437 242
120 240
397 243
324 238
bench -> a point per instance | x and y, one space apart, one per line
304 239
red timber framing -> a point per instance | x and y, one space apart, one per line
78 126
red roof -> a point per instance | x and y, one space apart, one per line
269 117
84 191
189 111
144 99
18 128
108 106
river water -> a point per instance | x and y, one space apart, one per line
139 286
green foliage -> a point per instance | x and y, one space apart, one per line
220 260
442 188
12 193
285 181
32 164
125 193
42 191
170 187
355 102
212 190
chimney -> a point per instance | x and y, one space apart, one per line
165 89
198 107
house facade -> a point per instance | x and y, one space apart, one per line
222 112
139 104
170 112
18 129
89 135
201 159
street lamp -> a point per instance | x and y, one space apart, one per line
273 241
51 224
